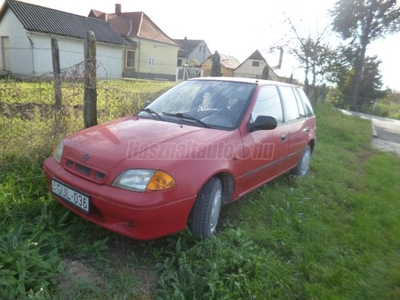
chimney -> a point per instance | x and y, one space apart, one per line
118 9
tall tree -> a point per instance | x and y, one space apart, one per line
361 22
310 50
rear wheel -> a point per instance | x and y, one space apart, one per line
205 212
304 163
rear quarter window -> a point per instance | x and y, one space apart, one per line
307 104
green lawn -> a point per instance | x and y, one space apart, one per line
331 235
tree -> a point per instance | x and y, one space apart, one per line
216 65
361 22
343 75
312 53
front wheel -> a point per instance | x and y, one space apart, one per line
206 209
304 163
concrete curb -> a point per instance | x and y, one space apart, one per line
374 133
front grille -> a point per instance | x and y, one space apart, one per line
85 171
100 176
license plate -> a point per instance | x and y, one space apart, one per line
76 198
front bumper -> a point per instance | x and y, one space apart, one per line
142 216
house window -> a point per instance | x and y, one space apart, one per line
130 59
152 61
179 62
200 49
256 63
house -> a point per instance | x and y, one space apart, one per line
26 31
255 66
150 53
192 52
190 55
228 65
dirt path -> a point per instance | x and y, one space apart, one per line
386 132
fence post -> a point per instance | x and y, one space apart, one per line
90 93
55 53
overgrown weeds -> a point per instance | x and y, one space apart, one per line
331 235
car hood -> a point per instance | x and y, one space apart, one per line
136 142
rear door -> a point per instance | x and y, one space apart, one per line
297 125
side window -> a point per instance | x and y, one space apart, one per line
306 101
300 104
290 103
268 103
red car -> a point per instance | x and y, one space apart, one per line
204 143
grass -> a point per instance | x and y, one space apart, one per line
331 235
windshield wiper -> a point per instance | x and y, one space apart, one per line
152 112
187 117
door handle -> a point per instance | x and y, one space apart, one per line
307 129
283 137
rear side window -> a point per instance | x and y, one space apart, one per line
300 105
268 103
294 111
306 101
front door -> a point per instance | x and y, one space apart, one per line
5 53
265 151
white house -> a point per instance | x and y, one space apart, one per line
255 66
25 41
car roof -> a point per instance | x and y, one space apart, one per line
244 80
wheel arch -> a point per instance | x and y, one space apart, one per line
228 185
311 143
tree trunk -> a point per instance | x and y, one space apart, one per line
90 94
306 83
364 41
357 79
56 73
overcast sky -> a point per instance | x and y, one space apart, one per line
237 28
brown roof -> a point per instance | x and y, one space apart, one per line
134 24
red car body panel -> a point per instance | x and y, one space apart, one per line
190 154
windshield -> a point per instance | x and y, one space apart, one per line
206 103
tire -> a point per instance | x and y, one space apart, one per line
205 212
304 163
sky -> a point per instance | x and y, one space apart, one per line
238 28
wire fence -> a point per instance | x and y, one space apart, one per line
364 105
31 125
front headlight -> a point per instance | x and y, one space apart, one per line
140 180
57 152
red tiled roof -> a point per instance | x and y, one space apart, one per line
134 24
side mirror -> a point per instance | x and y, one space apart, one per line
262 123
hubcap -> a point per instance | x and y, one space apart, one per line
216 207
